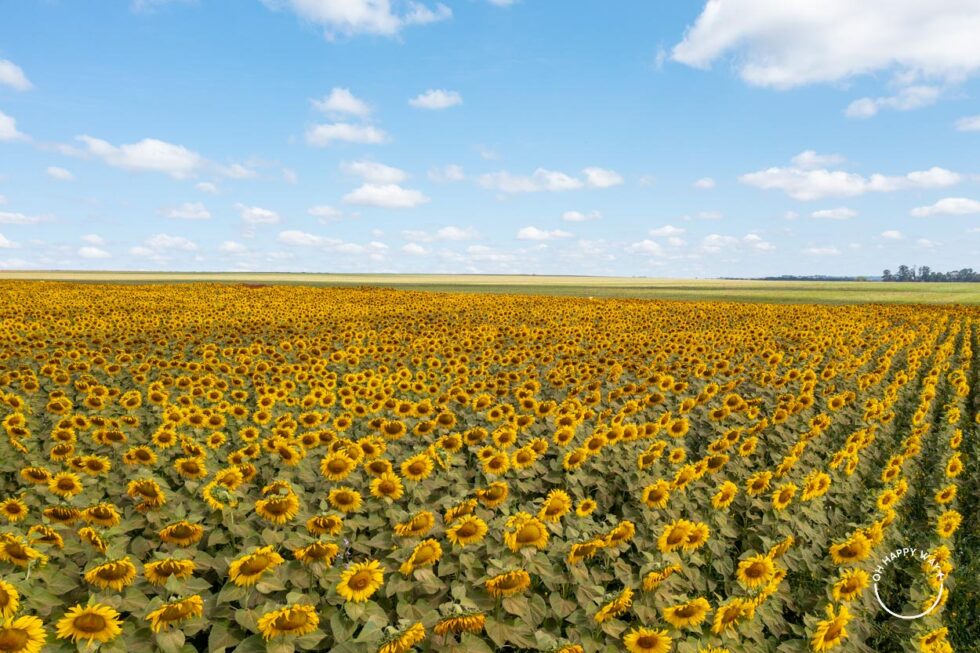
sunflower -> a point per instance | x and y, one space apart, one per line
9 601
345 499
615 607
493 495
946 494
248 569
292 621
425 554
462 623
556 505
95 622
36 475
417 468
779 549
758 483
459 510
159 571
575 458
852 582
687 614
325 524
728 615
525 531
783 495
947 523
653 579
404 641
467 530
621 533
15 550
656 495
420 524
337 466
815 485
182 533
508 584
387 486
852 550
359 581
14 510
65 484
585 507
675 535
102 514
175 612
115 575
830 632
278 509
91 537
317 552
645 640
22 635
755 571
147 490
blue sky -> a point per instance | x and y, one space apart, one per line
737 138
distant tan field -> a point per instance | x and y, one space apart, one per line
843 292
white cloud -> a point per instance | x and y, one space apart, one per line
840 213
289 176
450 232
948 206
187 211
451 172
667 230
892 234
148 154
821 251
968 124
207 187
325 134
790 215
60 174
350 17
808 159
342 101
705 183
8 129
714 243
93 239
7 217
925 243
601 177
578 216
6 243
237 171
533 233
756 242
390 196
807 184
162 243
785 44
414 249
912 97
487 153
11 75
436 99
93 252
253 215
232 247
707 215
372 172
325 213
296 238
646 246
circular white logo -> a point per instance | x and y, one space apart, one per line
929 563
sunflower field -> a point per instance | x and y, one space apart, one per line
230 468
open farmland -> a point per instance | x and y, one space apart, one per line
220 467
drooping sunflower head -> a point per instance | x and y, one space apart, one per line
158 571
689 614
324 524
248 569
182 533
509 583
292 621
115 575
175 612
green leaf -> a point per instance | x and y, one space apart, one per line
170 641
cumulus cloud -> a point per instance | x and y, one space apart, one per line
149 154
207 187
374 250
808 184
254 215
325 213
187 211
93 252
436 98
232 247
578 216
892 234
6 243
601 177
391 196
8 129
159 246
414 249
341 132
60 174
342 101
968 124
237 171
352 17
8 217
809 159
533 233
912 97
821 251
549 180
948 206
840 213
451 172
785 44
666 230
646 246
372 172
11 75
705 183
449 232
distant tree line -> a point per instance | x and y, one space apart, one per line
925 273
